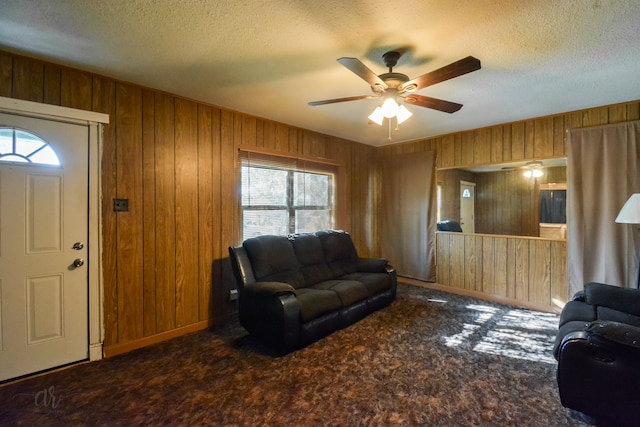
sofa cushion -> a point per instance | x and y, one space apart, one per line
372 265
308 250
273 260
577 310
339 252
316 302
349 291
606 313
374 282
615 297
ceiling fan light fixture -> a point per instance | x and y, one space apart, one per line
403 114
534 169
377 117
389 108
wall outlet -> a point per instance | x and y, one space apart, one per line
233 294
120 205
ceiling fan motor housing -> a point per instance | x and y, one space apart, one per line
391 58
393 80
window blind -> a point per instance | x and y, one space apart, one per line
282 195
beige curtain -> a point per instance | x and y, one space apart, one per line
409 214
602 172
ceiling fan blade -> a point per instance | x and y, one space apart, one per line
456 69
350 98
433 103
357 67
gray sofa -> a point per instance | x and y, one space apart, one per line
296 289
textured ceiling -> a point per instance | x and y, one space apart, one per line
269 58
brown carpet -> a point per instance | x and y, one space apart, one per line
429 359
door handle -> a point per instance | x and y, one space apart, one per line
78 262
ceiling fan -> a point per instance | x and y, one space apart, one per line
395 84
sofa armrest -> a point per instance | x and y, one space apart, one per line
268 289
621 299
615 332
241 266
579 296
573 336
372 265
271 311
597 376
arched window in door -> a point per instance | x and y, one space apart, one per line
19 146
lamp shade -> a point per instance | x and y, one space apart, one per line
403 114
377 116
630 212
389 108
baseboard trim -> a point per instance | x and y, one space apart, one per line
481 295
114 350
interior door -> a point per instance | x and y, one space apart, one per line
43 244
467 206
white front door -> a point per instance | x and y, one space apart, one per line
43 245
467 206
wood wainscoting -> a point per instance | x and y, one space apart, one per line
529 270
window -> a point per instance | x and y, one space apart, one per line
282 196
19 146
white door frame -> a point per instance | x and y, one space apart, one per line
94 121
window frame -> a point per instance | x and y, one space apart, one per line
291 165
27 159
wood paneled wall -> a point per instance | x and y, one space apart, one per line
165 261
508 203
529 270
534 139
449 181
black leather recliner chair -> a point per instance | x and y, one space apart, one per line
598 354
